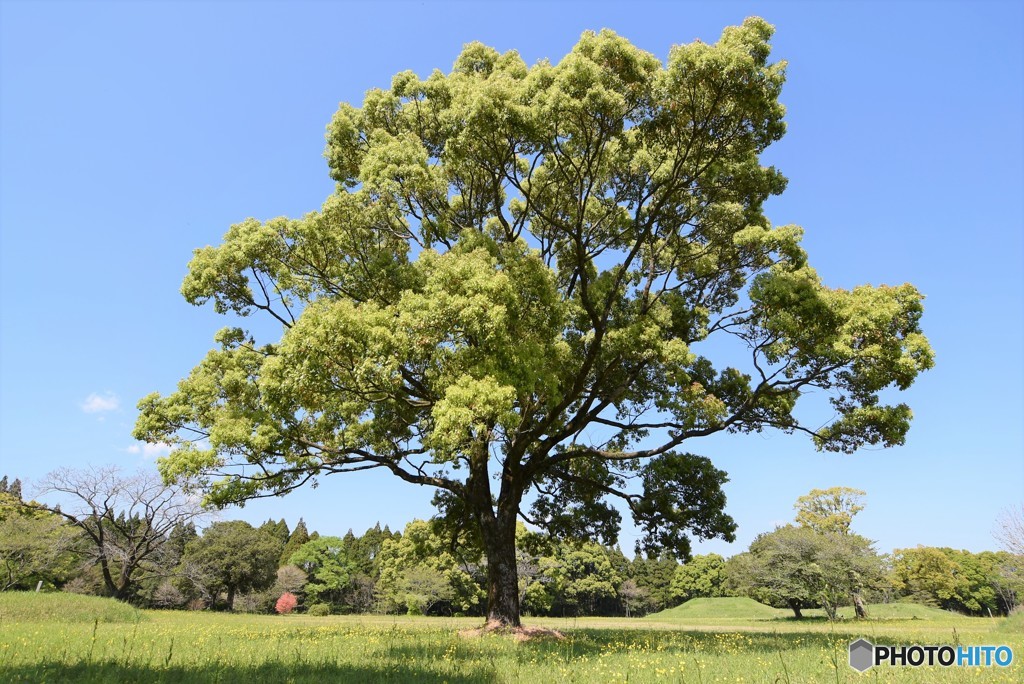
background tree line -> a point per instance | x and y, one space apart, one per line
140 541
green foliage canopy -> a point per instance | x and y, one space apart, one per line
514 254
701 576
420 568
35 544
233 556
800 568
975 583
297 537
581 575
829 510
326 561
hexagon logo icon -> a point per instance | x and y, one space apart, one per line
862 655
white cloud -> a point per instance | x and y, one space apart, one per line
149 451
95 403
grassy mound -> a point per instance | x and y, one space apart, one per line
733 607
27 606
889 611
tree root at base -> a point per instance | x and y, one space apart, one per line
518 633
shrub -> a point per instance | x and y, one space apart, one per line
254 602
319 610
286 603
84 585
168 596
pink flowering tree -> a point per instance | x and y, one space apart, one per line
286 604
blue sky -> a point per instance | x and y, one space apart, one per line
132 133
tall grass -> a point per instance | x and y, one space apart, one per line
214 647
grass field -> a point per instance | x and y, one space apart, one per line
61 638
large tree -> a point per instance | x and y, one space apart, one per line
512 295
233 556
830 512
799 567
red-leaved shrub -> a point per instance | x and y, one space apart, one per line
286 603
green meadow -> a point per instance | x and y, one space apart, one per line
64 638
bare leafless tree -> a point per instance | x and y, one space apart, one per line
1010 529
125 519
632 594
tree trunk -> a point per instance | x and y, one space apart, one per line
502 574
858 606
126 587
498 532
108 578
231 598
124 592
795 605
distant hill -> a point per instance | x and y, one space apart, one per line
738 608
895 611
733 607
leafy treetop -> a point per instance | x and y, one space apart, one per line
829 510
